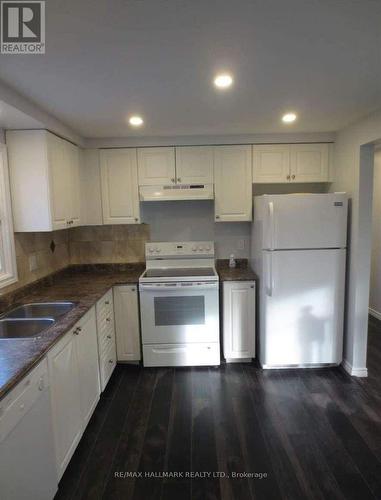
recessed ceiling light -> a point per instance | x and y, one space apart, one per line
289 118
223 81
135 121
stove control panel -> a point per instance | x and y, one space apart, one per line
180 249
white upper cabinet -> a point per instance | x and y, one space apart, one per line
271 163
119 180
194 165
232 183
309 162
75 184
156 166
44 176
279 163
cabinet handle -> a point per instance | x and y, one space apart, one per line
76 331
132 289
173 179
107 302
217 216
136 219
111 361
288 177
109 336
108 320
251 286
179 179
293 176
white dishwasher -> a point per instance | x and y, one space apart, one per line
27 458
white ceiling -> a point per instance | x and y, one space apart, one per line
107 59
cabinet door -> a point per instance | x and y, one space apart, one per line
309 163
232 183
239 319
156 166
271 164
194 165
120 199
127 323
65 395
59 175
88 367
74 206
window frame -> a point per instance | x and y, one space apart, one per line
8 274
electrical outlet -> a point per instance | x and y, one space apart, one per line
32 262
241 245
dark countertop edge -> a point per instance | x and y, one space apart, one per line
242 271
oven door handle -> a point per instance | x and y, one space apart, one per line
144 287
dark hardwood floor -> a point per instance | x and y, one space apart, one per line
303 434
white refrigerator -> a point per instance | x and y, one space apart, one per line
299 252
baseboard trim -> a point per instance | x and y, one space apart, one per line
375 313
354 372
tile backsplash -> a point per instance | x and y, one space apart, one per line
37 247
79 245
108 243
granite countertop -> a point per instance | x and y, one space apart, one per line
242 271
82 284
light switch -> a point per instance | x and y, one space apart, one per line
32 262
241 245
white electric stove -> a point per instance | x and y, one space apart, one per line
179 305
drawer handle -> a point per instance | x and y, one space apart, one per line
108 320
109 336
111 361
76 332
107 302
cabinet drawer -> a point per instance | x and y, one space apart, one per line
105 342
19 401
107 364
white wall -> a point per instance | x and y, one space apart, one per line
375 278
194 221
354 174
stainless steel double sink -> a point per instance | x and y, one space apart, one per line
30 320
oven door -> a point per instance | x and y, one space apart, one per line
179 312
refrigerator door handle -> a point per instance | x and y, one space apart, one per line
270 285
271 224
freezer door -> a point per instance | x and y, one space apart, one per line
300 221
302 307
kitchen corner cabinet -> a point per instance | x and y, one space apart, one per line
238 320
44 178
232 183
74 375
127 323
119 184
291 163
194 165
156 166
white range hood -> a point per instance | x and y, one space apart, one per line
177 192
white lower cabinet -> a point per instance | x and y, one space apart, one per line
74 376
87 351
106 337
238 320
127 323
